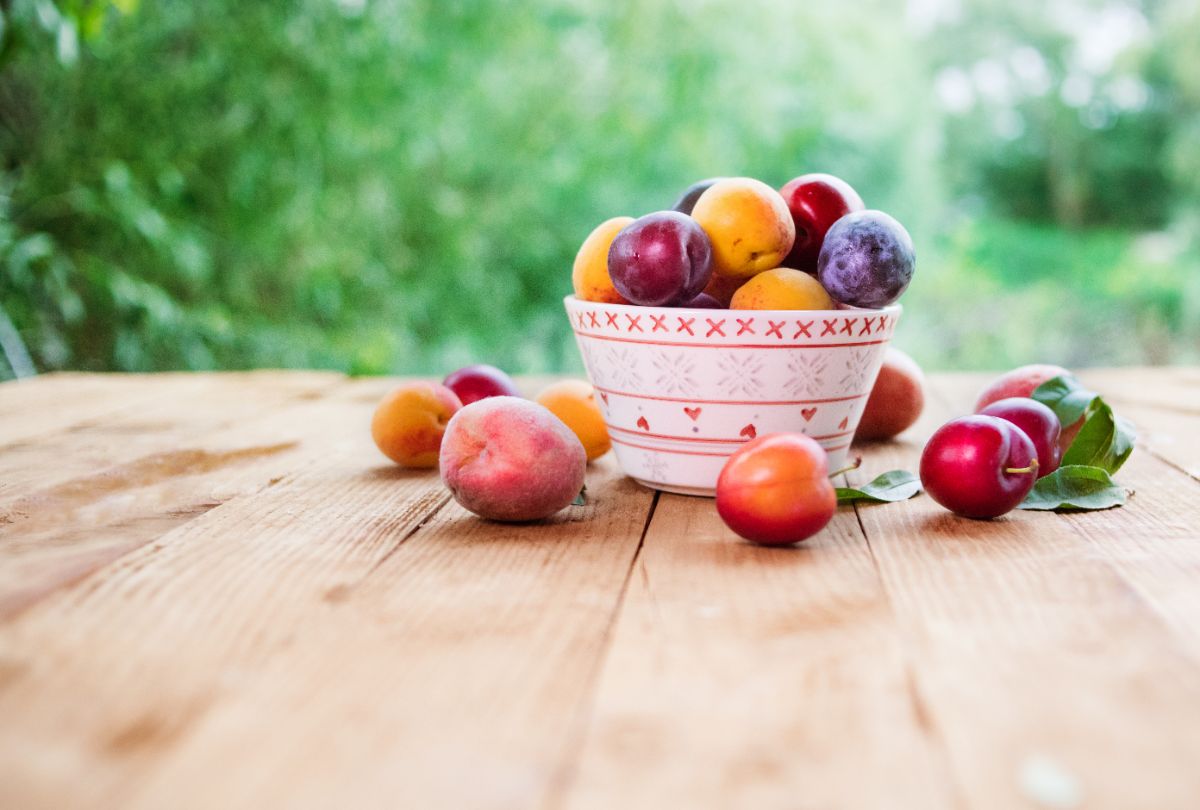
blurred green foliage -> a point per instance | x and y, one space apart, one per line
401 185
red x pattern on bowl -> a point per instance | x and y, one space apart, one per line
681 389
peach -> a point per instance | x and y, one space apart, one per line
1021 382
782 288
410 420
897 399
748 223
509 459
589 276
574 402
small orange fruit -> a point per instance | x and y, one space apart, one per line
782 288
410 420
589 276
574 402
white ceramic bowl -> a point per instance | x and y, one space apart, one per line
681 389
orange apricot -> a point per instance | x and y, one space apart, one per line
574 402
410 420
782 288
748 223
775 489
589 276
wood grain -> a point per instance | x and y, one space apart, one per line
150 641
236 436
50 403
750 677
1036 652
452 676
766 677
267 585
162 416
214 593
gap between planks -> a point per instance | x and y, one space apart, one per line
564 773
584 721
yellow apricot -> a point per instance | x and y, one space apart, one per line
574 402
589 275
782 288
748 223
410 420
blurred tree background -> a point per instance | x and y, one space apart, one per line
401 185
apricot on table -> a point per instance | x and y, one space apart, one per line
411 419
589 276
749 224
782 288
574 402
775 489
509 459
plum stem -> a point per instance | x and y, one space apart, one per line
1033 465
857 463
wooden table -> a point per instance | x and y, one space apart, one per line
215 593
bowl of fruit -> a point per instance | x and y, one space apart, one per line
742 311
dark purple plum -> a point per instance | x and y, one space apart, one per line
703 301
660 260
867 260
687 201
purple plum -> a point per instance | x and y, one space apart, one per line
867 260
660 260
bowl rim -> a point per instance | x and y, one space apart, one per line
574 299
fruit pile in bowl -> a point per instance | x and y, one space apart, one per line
742 311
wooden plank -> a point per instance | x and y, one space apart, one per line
750 677
152 641
1169 388
461 665
210 451
1164 405
298 625
1168 434
160 417
34 406
310 644
1051 675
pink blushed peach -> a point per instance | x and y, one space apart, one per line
1021 382
512 460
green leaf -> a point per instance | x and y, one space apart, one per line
897 485
1104 441
1075 487
580 499
1066 396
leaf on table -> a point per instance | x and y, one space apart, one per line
897 485
1104 441
1066 396
1076 487
581 498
